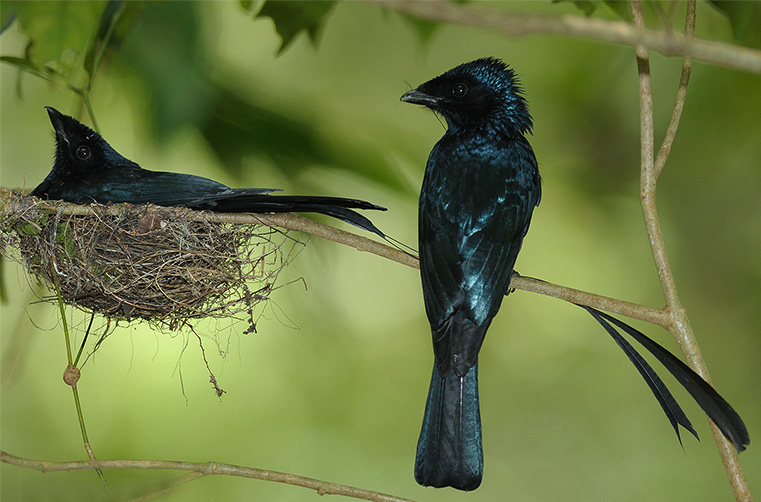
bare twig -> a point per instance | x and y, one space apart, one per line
619 32
576 296
204 469
679 326
681 94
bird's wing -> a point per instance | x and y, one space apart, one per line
471 229
141 186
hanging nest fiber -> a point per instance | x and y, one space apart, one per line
165 265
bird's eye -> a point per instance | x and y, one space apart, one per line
459 90
83 152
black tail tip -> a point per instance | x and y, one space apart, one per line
465 481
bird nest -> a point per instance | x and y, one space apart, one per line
165 265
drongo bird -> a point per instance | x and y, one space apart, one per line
480 188
87 169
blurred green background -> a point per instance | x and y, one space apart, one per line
334 383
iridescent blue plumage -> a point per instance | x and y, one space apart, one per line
480 187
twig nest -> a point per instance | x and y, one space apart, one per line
166 265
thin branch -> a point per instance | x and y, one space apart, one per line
204 469
681 94
650 170
576 296
292 221
647 171
619 32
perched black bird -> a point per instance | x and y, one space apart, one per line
480 188
87 170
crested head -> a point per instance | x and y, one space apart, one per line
484 93
79 149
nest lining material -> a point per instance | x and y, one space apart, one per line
165 265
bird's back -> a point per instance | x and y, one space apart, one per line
475 207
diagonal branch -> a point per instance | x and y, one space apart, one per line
618 32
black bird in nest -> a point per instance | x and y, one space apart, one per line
87 169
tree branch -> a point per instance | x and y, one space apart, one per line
204 469
649 172
618 32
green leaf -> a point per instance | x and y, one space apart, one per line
63 236
7 15
166 55
28 229
28 66
56 27
116 22
292 17
745 18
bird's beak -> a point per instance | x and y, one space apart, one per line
417 97
56 118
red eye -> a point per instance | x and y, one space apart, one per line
83 152
459 90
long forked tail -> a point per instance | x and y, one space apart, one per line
449 451
717 409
